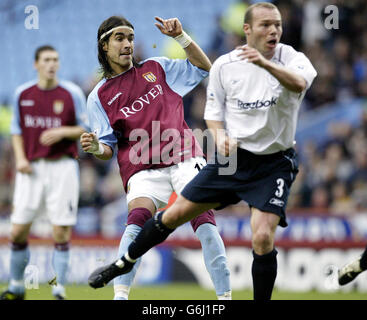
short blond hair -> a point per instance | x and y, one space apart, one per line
248 13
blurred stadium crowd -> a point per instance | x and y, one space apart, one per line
333 172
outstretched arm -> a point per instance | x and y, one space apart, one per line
173 28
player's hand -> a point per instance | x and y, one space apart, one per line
89 142
251 55
23 166
51 136
226 145
170 27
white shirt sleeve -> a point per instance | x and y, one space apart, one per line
301 65
215 96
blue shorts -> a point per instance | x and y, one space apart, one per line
263 181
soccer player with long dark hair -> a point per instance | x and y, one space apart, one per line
139 108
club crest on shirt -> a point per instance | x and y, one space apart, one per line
58 106
149 76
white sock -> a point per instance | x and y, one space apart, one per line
226 296
121 292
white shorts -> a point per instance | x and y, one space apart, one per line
52 189
158 184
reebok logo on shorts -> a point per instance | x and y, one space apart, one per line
276 202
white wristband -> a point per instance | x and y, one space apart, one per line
100 150
183 39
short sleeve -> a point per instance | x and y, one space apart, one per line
301 65
99 122
215 97
181 75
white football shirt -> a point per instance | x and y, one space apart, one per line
255 108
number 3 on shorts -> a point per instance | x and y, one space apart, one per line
280 188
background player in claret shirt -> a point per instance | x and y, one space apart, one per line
49 115
253 95
147 97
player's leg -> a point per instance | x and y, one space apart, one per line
264 267
61 259
205 229
26 203
19 258
140 210
158 228
266 187
155 231
214 253
352 269
147 191
61 201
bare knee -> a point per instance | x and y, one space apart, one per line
262 241
178 213
61 234
18 237
263 226
173 216
19 233
184 210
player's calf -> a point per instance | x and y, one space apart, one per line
153 233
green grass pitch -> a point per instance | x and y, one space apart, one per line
179 291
